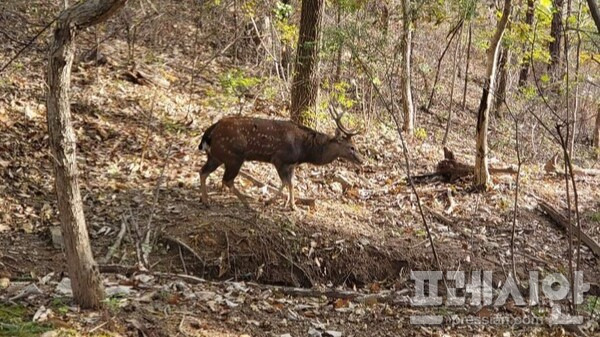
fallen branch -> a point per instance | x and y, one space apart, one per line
451 169
117 244
451 202
303 201
184 246
119 269
450 222
397 297
560 219
146 245
552 166
299 267
440 217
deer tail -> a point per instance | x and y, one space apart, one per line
206 139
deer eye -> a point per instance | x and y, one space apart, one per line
352 148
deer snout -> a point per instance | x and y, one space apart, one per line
357 158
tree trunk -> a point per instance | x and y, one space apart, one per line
305 87
83 271
407 102
597 132
555 33
454 72
595 13
338 58
385 19
502 81
464 99
283 50
524 72
577 80
482 174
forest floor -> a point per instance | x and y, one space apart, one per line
139 162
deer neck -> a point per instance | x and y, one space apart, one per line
320 151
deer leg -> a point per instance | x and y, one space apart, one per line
277 194
231 171
286 173
290 199
211 165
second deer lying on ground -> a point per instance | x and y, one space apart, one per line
234 140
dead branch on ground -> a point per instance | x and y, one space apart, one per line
560 219
112 249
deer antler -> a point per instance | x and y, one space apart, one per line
337 117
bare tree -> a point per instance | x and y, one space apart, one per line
504 61
305 86
468 61
83 271
529 16
455 61
595 13
556 34
597 131
407 102
482 175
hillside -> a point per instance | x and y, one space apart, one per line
226 270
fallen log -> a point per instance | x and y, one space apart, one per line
451 169
552 166
560 219
397 297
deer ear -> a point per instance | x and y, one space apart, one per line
338 134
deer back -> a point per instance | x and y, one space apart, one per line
242 138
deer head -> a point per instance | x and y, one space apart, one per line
342 142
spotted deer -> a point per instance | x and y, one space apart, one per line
285 144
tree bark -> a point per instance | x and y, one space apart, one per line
595 13
305 86
407 102
338 58
454 73
555 33
597 132
83 271
464 99
524 72
482 174
502 81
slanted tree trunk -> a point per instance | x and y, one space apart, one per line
597 132
556 34
83 271
286 52
464 99
338 58
502 81
305 86
524 72
595 13
482 174
407 102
